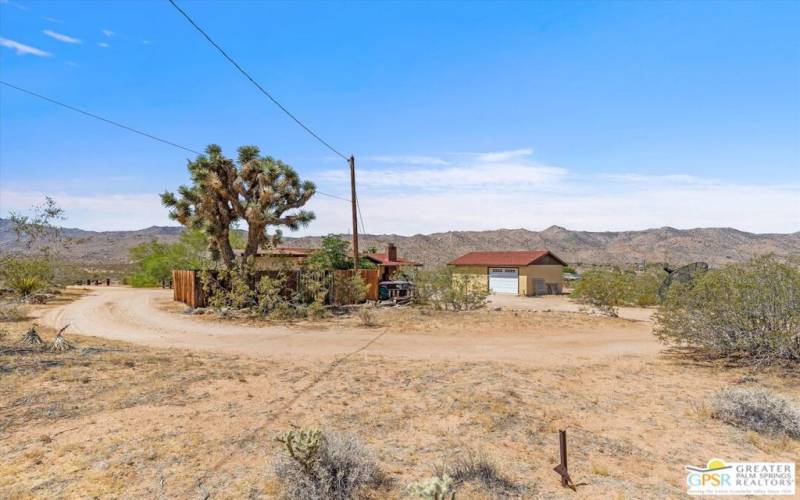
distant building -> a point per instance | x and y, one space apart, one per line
387 262
517 273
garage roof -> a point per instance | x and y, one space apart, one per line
525 258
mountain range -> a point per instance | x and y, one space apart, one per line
717 246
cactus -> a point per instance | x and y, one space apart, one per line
303 446
434 488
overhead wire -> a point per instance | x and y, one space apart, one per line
253 80
126 127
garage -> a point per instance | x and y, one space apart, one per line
521 272
504 280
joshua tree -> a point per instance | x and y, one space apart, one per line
262 191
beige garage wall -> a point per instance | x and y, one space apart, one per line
478 275
551 274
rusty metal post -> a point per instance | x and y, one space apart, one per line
354 207
561 468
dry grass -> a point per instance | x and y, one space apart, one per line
114 420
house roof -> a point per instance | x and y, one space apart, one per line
383 259
283 252
525 258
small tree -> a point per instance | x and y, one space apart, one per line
261 191
335 254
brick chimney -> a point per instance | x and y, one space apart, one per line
391 252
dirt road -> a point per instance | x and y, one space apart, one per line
139 316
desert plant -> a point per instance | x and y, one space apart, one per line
757 409
12 311
261 191
31 337
349 290
367 316
445 290
474 467
606 289
60 344
154 261
324 466
434 488
749 310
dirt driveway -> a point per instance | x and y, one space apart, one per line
562 303
143 316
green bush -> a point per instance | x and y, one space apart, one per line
154 261
26 275
349 290
750 310
607 289
448 291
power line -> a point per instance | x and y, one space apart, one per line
253 81
112 122
129 129
361 217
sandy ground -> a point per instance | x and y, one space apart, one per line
141 419
149 317
562 303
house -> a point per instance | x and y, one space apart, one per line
281 258
520 273
388 262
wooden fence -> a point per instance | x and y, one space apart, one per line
371 278
186 286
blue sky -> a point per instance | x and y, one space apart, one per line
595 116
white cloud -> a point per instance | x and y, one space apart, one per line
643 179
407 160
505 155
107 33
61 37
103 45
53 20
22 49
507 169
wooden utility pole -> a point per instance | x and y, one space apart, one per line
354 203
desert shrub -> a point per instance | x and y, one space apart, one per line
349 290
472 467
607 289
154 261
315 465
749 310
603 288
12 311
445 290
25 275
757 409
367 316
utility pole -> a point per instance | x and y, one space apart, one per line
354 203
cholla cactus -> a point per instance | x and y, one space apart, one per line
303 446
434 488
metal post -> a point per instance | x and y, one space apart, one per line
562 448
354 204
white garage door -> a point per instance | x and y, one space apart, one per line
504 280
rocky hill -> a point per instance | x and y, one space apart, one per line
716 246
